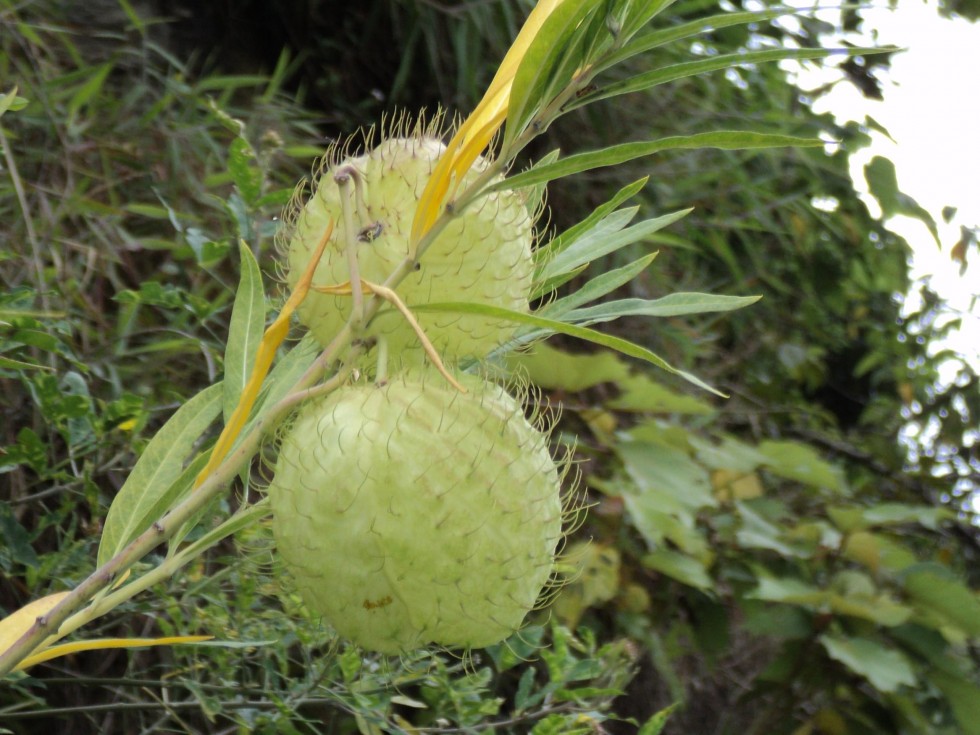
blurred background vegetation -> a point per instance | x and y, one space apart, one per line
799 558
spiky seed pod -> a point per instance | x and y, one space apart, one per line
411 513
482 256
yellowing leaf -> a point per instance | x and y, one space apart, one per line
476 132
594 570
830 722
265 353
862 547
19 622
549 367
730 485
98 644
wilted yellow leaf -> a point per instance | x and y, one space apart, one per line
594 579
730 485
98 644
862 547
19 622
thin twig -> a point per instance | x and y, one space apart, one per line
47 628
28 220
390 295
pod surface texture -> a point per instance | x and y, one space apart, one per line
412 514
482 256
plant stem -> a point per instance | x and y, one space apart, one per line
165 570
47 628
67 616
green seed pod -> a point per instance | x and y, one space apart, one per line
482 256
411 513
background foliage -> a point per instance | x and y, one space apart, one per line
793 559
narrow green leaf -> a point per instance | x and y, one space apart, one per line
656 724
597 287
177 492
675 304
545 327
546 253
242 518
549 285
283 376
89 89
245 331
595 227
236 644
540 69
11 364
716 63
134 18
10 101
605 238
662 37
231 82
641 13
159 466
617 154
534 195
